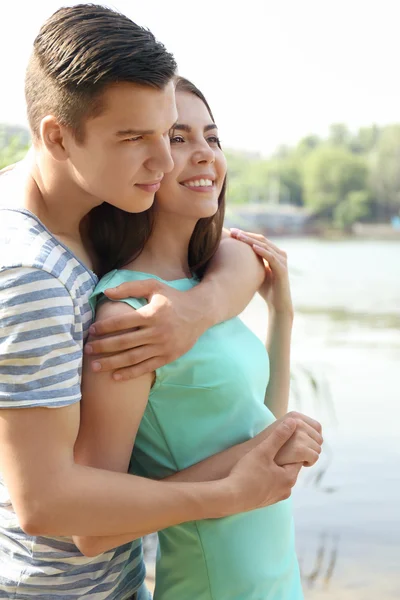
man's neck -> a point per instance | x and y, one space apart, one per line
56 200
59 205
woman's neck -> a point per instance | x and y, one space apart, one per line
166 252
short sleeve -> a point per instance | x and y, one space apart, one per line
40 345
113 279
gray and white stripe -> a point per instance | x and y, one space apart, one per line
44 319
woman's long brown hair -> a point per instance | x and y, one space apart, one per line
117 237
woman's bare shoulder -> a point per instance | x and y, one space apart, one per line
111 308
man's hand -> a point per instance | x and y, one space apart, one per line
257 480
150 337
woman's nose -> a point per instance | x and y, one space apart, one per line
205 154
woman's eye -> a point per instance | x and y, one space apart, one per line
176 139
213 139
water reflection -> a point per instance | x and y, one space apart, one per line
344 315
324 563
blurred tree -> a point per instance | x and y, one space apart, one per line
12 153
339 135
288 172
14 143
354 207
365 140
385 173
307 144
331 175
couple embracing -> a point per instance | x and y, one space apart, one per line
133 400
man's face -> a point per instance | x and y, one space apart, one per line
126 149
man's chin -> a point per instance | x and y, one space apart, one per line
136 205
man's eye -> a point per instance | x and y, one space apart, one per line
134 139
176 139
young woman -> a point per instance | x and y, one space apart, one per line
213 398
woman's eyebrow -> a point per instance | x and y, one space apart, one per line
182 127
188 129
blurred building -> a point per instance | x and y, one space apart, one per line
271 219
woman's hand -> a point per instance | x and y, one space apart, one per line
305 444
276 287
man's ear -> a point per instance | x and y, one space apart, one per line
52 136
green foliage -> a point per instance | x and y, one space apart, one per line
12 153
344 178
14 143
331 175
385 171
353 208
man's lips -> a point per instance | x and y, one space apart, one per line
151 188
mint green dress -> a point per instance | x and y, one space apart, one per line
206 401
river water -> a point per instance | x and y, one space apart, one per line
346 371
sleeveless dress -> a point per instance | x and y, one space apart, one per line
207 401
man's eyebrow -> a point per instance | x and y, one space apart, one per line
188 129
133 132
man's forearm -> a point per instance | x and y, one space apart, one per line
233 277
87 502
213 468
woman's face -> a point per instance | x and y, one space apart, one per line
192 188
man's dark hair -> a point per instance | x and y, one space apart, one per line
79 51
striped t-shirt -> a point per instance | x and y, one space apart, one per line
44 319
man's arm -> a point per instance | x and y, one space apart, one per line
39 421
173 320
40 358
52 495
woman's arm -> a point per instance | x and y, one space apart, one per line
278 346
304 447
110 416
231 280
276 293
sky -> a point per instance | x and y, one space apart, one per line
272 70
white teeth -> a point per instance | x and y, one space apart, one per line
199 183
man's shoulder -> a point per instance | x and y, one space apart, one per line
26 244
23 241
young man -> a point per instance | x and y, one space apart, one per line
100 102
